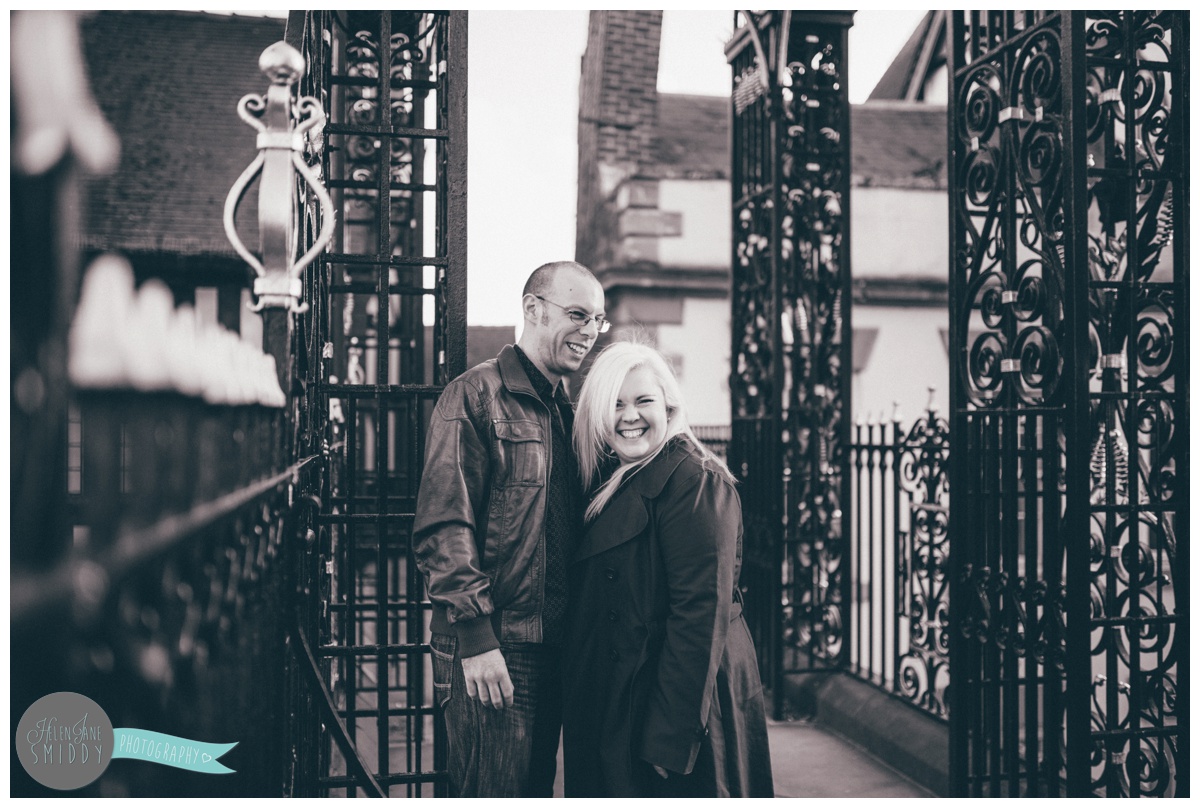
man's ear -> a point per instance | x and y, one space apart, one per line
529 306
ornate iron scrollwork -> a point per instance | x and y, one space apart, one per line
753 357
1032 176
922 474
1010 131
1008 304
1137 379
790 374
814 272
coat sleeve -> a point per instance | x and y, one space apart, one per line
454 486
697 533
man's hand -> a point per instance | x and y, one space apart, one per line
487 679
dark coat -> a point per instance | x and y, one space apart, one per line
659 666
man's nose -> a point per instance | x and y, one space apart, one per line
592 329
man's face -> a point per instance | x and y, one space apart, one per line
560 344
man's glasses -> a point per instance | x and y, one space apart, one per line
580 318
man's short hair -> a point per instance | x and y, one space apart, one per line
541 278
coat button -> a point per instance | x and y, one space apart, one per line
610 574
614 655
612 615
702 732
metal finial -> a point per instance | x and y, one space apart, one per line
282 63
283 124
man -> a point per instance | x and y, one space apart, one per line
498 514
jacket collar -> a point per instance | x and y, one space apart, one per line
626 514
512 374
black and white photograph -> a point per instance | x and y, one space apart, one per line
599 404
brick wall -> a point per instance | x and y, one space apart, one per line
618 100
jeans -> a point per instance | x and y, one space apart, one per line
501 753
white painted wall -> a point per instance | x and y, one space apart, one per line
706 240
898 232
907 358
894 232
702 343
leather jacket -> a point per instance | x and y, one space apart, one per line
479 536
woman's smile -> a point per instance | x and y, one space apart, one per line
640 421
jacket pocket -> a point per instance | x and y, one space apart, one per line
521 453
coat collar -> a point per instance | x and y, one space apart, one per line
512 374
626 514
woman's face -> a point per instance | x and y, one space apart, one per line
640 419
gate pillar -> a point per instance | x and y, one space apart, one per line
1069 379
790 326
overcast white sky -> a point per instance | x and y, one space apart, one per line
522 105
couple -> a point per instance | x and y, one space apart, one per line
583 571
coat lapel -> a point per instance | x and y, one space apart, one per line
626 515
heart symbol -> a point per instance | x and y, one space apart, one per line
205 758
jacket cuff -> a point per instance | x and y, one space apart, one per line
475 636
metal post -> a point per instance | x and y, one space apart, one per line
1076 418
283 127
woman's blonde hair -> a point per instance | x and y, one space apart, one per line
595 413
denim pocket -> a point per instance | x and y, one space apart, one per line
443 647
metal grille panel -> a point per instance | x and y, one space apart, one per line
388 330
900 548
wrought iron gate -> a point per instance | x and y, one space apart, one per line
790 380
1069 370
386 330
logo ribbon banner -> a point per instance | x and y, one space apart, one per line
170 750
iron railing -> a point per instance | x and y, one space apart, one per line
898 614
716 438
172 600
153 509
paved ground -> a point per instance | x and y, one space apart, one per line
808 761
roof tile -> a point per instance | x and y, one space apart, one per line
691 139
895 144
169 84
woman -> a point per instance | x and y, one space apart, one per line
663 696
